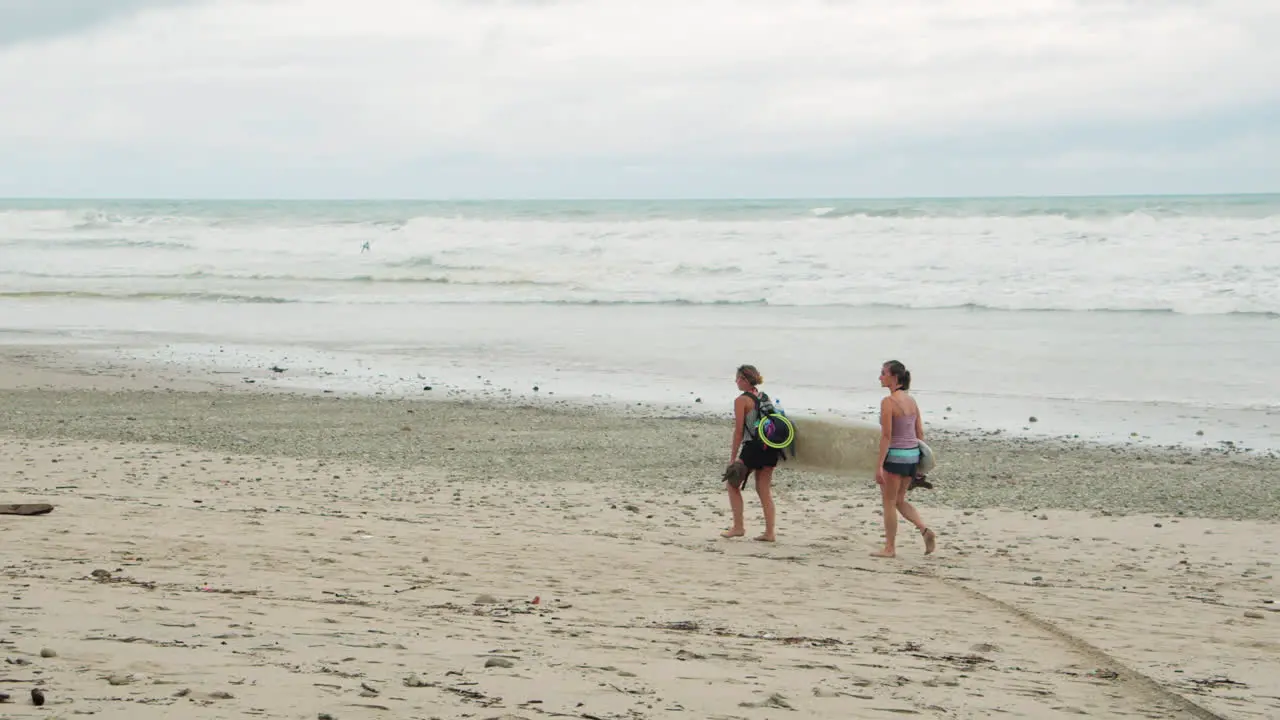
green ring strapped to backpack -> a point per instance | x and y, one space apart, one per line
764 435
771 416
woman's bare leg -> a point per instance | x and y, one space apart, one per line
764 488
913 516
889 501
735 506
907 509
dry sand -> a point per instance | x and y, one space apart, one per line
229 553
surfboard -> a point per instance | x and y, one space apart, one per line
837 445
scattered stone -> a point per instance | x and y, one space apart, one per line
325 716
1159 525
426 387
773 701
4 697
37 697
47 653
985 648
499 663
1254 615
631 508
825 693
1032 419
485 600
1199 432
26 508
415 682
119 679
17 661
369 690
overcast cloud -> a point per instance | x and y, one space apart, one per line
582 98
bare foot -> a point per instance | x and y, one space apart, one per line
886 553
733 532
765 537
930 541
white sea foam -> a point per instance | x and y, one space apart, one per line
643 300
1206 262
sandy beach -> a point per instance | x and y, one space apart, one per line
225 551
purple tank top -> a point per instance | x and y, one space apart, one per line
904 432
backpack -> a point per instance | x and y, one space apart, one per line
770 425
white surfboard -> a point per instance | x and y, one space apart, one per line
840 446
835 445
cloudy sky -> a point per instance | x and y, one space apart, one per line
661 98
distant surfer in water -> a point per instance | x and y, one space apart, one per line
901 430
749 455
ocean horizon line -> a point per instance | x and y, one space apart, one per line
640 199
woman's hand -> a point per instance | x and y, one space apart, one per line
880 476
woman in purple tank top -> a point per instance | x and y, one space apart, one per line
900 433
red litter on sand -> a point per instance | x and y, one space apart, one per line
537 599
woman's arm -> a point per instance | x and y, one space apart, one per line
919 424
886 434
739 420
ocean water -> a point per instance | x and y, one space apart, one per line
1101 317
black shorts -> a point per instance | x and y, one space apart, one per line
756 455
897 468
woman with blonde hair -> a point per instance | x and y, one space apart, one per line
901 431
749 454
